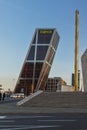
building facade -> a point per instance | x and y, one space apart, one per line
38 61
67 88
84 69
54 84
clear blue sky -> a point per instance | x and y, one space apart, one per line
18 20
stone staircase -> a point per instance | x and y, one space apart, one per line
26 99
59 100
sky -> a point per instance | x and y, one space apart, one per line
18 21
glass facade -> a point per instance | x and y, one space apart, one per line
32 53
41 52
38 61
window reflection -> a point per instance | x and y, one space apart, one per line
41 52
31 53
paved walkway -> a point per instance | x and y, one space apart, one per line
10 107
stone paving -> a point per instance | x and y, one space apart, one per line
10 106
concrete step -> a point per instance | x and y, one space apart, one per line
26 99
59 100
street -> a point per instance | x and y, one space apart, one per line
57 121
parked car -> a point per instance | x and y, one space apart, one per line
17 95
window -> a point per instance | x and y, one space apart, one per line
41 52
38 68
27 70
31 53
34 39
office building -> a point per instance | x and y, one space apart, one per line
54 84
84 69
38 61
